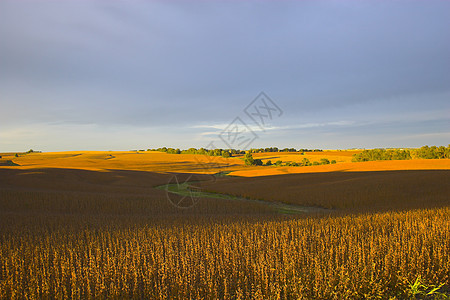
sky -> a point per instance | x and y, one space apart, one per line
122 75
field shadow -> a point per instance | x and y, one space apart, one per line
345 191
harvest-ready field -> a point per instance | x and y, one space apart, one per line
338 155
130 160
95 225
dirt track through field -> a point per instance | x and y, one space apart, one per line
189 190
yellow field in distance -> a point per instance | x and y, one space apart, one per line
161 162
153 161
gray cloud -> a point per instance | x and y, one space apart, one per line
178 65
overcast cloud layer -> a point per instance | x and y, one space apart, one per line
120 75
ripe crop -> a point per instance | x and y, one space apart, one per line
349 257
92 231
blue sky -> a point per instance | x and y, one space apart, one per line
120 75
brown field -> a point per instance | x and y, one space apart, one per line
57 191
88 225
345 191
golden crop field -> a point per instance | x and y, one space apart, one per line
368 166
126 160
161 162
352 257
338 155
93 225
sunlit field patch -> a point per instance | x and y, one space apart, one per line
391 165
127 160
202 164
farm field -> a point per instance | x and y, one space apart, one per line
127 160
345 191
95 225
161 162
229 150
155 161
109 256
368 166
338 155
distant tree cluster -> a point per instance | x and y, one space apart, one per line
32 151
202 151
432 152
250 161
228 152
167 150
424 152
382 154
306 162
213 152
275 149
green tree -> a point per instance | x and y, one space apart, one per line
382 154
248 159
306 162
257 162
324 161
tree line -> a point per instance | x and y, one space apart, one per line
425 152
275 149
433 152
229 152
202 151
382 154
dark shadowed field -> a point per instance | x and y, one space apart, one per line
72 233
